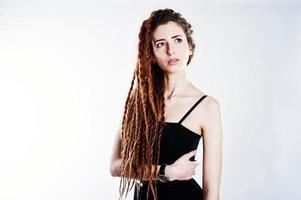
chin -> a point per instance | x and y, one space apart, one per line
173 69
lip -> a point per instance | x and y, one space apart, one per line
173 61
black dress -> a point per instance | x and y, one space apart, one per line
176 140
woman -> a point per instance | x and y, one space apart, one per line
165 116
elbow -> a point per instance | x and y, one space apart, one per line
115 168
113 171
211 194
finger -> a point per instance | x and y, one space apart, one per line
190 154
187 178
184 178
192 173
196 163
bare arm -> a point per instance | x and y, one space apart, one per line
212 152
116 155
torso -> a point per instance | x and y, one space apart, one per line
177 106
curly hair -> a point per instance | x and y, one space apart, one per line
143 118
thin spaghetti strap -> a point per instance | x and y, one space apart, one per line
191 109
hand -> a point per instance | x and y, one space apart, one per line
182 168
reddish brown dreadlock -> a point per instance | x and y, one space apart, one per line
143 118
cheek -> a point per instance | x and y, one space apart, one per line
160 59
158 55
184 51
183 47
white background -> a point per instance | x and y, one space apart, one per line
66 67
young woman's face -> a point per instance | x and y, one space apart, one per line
170 47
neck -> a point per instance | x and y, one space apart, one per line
175 84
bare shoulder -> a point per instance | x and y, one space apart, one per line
211 116
209 107
209 102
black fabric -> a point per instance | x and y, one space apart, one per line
176 141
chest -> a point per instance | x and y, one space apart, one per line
177 109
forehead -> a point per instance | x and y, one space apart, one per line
167 30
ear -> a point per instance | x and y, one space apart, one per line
190 52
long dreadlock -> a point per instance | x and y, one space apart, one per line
143 118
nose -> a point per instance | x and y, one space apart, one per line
170 49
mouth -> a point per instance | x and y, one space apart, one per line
173 61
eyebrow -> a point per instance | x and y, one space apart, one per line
175 36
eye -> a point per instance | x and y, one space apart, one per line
160 44
178 40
